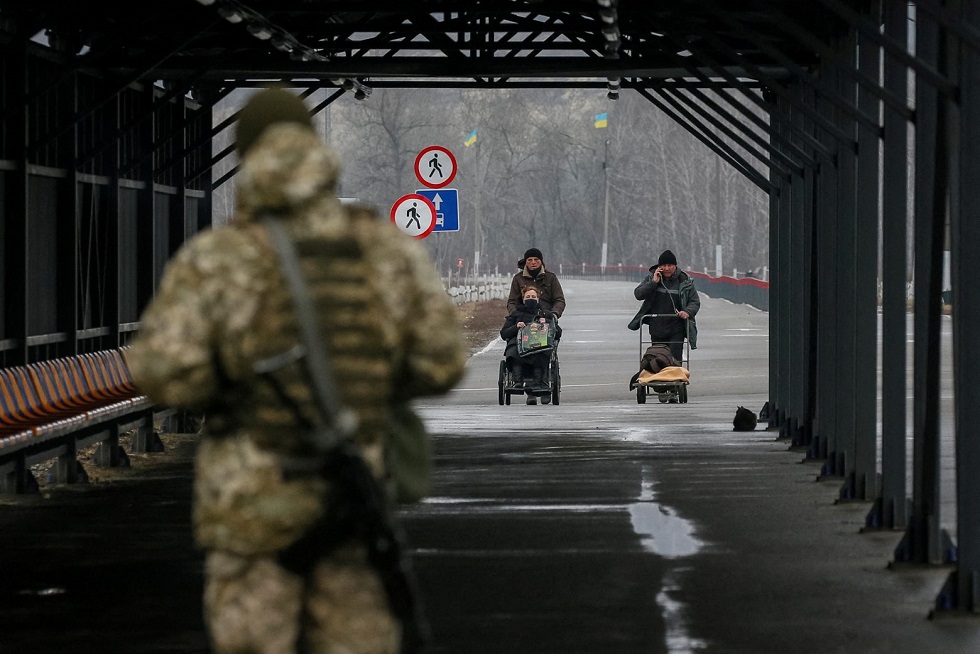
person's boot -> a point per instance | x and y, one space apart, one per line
545 389
538 385
517 375
531 399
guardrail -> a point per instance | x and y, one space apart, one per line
477 289
741 290
746 290
55 408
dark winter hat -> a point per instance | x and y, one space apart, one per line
667 258
534 252
269 106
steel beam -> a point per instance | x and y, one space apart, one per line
925 542
840 268
721 149
891 509
825 418
961 593
862 482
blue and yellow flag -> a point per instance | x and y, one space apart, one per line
602 120
471 139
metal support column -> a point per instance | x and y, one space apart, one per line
891 509
780 250
772 406
840 458
825 418
14 233
925 542
962 589
68 223
145 271
798 255
862 480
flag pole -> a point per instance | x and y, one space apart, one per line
605 221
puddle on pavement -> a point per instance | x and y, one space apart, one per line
666 534
662 531
677 639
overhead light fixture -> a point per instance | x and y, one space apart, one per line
612 88
261 32
230 15
206 3
282 44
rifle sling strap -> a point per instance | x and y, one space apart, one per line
332 410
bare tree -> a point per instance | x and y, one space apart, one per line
538 173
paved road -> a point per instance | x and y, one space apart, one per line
599 526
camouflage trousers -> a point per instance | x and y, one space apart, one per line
254 606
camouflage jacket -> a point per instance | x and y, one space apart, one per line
223 306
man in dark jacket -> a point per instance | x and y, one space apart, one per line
533 272
669 290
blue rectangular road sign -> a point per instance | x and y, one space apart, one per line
446 201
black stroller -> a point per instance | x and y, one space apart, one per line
552 377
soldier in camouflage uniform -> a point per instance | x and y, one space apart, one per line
223 306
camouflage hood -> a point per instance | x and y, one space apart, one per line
287 171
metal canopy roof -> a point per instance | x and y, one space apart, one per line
484 43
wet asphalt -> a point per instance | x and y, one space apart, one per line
598 526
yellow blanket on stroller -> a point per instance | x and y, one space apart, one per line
668 374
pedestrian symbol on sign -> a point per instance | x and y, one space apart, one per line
414 214
435 166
